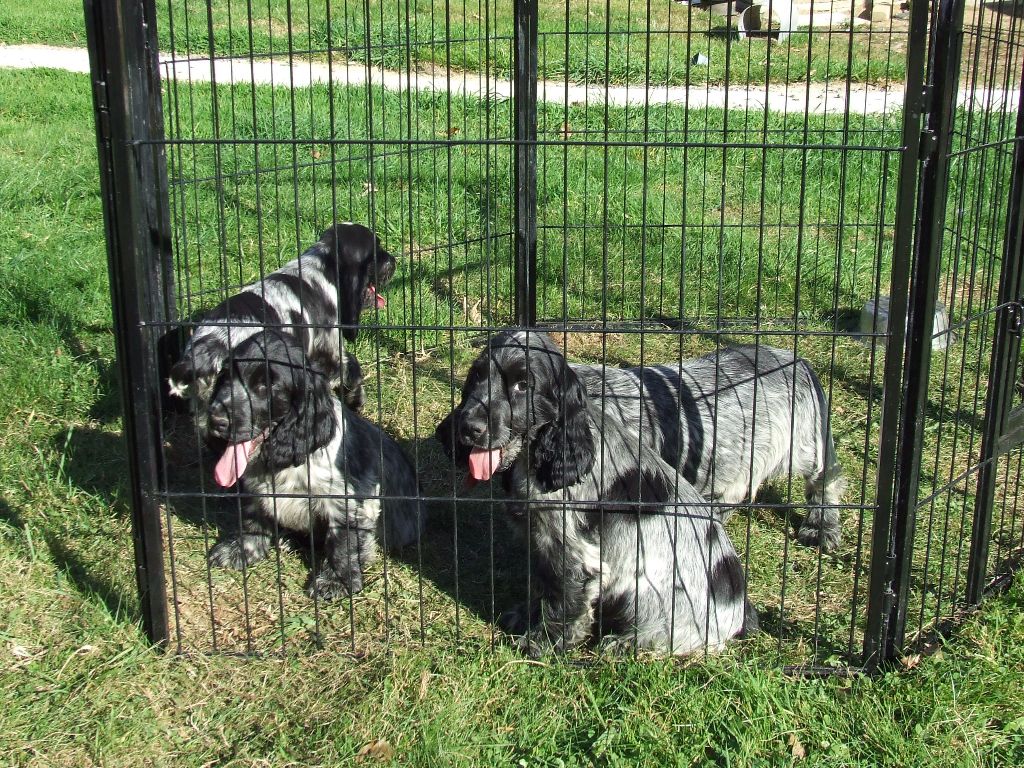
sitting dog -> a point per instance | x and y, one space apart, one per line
305 459
731 421
624 547
331 283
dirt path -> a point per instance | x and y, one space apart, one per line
797 98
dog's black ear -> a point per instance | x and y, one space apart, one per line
309 424
563 451
445 435
321 402
351 294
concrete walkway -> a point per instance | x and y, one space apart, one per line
798 98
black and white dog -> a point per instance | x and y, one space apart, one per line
306 461
731 421
328 286
624 547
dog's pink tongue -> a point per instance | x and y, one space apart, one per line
232 464
483 463
378 297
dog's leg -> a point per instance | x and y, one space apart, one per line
351 389
569 575
400 525
821 527
248 546
350 546
344 373
566 619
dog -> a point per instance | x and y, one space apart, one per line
312 296
625 549
732 421
306 462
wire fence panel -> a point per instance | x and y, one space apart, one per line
683 235
978 246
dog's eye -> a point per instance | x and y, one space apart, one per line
519 386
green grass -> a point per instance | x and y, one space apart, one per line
710 199
83 688
396 35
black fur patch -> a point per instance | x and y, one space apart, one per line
310 298
245 306
727 582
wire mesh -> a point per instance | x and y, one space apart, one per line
976 249
694 185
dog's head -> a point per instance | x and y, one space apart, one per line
520 392
363 269
270 408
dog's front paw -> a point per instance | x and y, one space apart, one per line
238 552
518 620
618 645
542 641
329 585
820 529
354 395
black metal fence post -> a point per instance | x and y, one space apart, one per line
133 180
1002 369
880 592
525 105
943 75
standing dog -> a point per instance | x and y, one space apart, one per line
731 421
624 547
306 462
329 284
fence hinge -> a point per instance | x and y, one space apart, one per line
888 600
929 144
100 89
1015 321
889 595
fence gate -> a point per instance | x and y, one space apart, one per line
506 153
959 495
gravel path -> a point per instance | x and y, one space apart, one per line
813 98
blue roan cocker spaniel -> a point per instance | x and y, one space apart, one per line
306 462
624 547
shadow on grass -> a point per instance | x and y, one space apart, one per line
123 607
9 516
94 461
934 413
471 550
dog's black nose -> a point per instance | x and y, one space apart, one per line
471 430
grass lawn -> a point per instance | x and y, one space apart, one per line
82 687
399 34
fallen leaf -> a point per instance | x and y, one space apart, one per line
378 749
565 130
368 186
911 661
424 684
316 154
799 753
473 313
